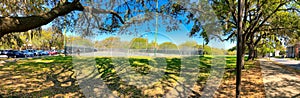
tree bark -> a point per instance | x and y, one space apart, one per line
240 50
22 24
250 52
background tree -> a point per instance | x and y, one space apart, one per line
138 43
152 45
37 40
232 49
167 46
189 45
110 42
257 16
81 41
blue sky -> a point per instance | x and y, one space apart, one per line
177 36
147 30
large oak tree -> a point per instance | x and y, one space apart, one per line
261 19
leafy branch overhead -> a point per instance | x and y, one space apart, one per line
261 18
16 23
97 17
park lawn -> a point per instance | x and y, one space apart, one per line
52 76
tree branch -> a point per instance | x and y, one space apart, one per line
233 12
279 28
290 9
247 5
22 24
102 11
280 5
230 36
258 15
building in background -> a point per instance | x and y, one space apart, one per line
293 50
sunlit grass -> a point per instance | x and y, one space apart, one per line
106 68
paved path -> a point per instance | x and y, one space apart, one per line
279 82
288 62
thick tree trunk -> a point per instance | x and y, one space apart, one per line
240 50
22 24
243 60
250 52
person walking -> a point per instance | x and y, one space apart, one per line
78 52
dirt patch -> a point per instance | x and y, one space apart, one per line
252 84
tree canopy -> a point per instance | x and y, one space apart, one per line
167 46
138 43
261 18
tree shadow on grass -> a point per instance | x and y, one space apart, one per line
38 79
57 77
109 71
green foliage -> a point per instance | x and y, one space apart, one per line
80 41
152 45
138 43
188 44
263 19
231 53
37 39
26 8
110 42
282 52
167 45
266 47
232 49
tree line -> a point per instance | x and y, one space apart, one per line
143 43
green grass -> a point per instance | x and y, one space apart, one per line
109 70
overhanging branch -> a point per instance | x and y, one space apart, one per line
22 24
290 9
221 39
102 11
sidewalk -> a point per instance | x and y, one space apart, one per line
279 82
288 62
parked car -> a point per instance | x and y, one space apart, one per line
53 52
39 53
35 52
4 52
62 52
27 53
14 54
44 52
